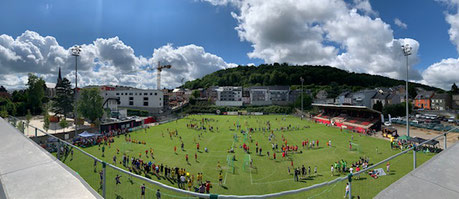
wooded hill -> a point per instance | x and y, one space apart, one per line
315 77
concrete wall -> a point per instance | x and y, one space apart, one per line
228 103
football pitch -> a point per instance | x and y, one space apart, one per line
265 175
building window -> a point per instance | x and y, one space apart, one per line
122 93
145 93
151 93
145 103
117 93
156 93
131 103
130 93
131 98
145 98
159 98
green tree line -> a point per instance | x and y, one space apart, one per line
285 74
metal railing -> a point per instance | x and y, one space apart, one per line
103 173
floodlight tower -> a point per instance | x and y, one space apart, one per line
76 50
407 52
159 69
302 91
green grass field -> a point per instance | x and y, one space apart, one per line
266 176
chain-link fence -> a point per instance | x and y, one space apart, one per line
125 179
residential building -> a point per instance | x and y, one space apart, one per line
212 93
202 93
176 97
246 95
402 97
279 95
441 101
321 95
268 95
363 98
229 96
423 100
322 98
345 98
259 96
455 101
394 98
400 89
381 96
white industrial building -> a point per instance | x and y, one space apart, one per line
149 100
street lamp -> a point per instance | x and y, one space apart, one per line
76 52
407 52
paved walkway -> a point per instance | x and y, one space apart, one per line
436 178
28 171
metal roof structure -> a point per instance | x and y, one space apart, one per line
362 108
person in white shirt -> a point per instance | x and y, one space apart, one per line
347 190
332 169
350 170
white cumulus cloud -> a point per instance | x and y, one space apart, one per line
104 61
400 24
188 62
326 32
442 74
446 72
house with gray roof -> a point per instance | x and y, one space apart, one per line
345 98
441 101
363 98
381 96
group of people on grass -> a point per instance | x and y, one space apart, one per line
184 179
299 173
202 124
343 167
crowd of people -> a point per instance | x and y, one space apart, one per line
146 164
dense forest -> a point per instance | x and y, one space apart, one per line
284 74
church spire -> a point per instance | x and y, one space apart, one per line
60 77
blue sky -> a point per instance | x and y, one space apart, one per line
143 25
426 23
199 30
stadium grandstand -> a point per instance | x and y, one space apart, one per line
354 118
